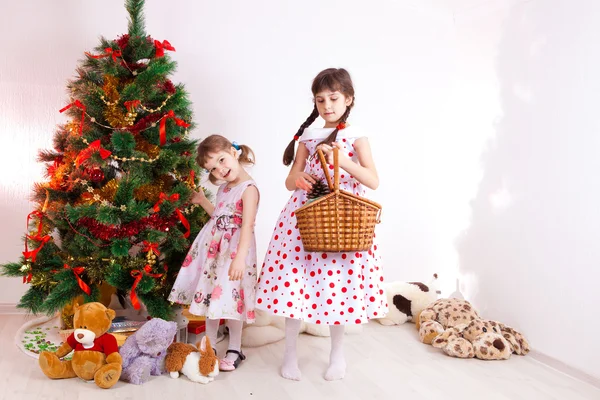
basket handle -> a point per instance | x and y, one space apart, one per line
336 169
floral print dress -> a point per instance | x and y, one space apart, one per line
203 280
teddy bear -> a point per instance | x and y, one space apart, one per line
406 300
455 326
95 351
144 352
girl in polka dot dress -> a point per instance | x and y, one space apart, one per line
336 289
218 275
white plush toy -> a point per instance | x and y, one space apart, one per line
268 329
406 300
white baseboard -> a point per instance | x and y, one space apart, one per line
11 308
564 368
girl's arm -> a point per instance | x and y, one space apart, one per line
297 178
364 172
250 206
200 198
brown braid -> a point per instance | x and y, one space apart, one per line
288 155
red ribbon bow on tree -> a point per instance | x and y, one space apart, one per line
148 246
138 275
162 198
79 105
77 271
87 153
163 128
37 237
131 104
161 47
109 52
174 197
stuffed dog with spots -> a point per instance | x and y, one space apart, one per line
454 326
406 300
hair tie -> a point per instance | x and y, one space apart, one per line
340 126
296 137
235 145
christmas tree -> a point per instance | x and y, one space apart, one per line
116 207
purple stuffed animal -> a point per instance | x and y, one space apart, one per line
144 352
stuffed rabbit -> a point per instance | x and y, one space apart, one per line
198 364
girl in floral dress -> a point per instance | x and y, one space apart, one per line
218 276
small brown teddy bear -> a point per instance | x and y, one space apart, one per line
454 326
96 353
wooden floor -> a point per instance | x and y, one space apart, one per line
383 363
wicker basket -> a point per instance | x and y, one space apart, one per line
338 221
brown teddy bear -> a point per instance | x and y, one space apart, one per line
96 353
454 326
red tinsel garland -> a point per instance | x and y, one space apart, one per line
108 232
143 123
168 87
123 41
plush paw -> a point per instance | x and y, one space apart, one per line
429 330
107 376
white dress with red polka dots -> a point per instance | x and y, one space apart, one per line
322 288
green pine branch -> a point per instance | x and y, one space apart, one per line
135 9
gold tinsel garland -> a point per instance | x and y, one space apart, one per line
113 113
151 192
105 194
148 148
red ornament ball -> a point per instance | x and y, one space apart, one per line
96 175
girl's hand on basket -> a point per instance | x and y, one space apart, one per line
304 181
328 152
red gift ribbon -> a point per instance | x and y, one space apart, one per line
174 197
79 105
161 47
138 275
108 52
162 198
87 153
184 221
163 128
78 271
33 253
148 246
38 236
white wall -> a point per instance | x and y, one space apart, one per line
248 67
433 78
530 256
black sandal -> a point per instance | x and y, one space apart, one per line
226 365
